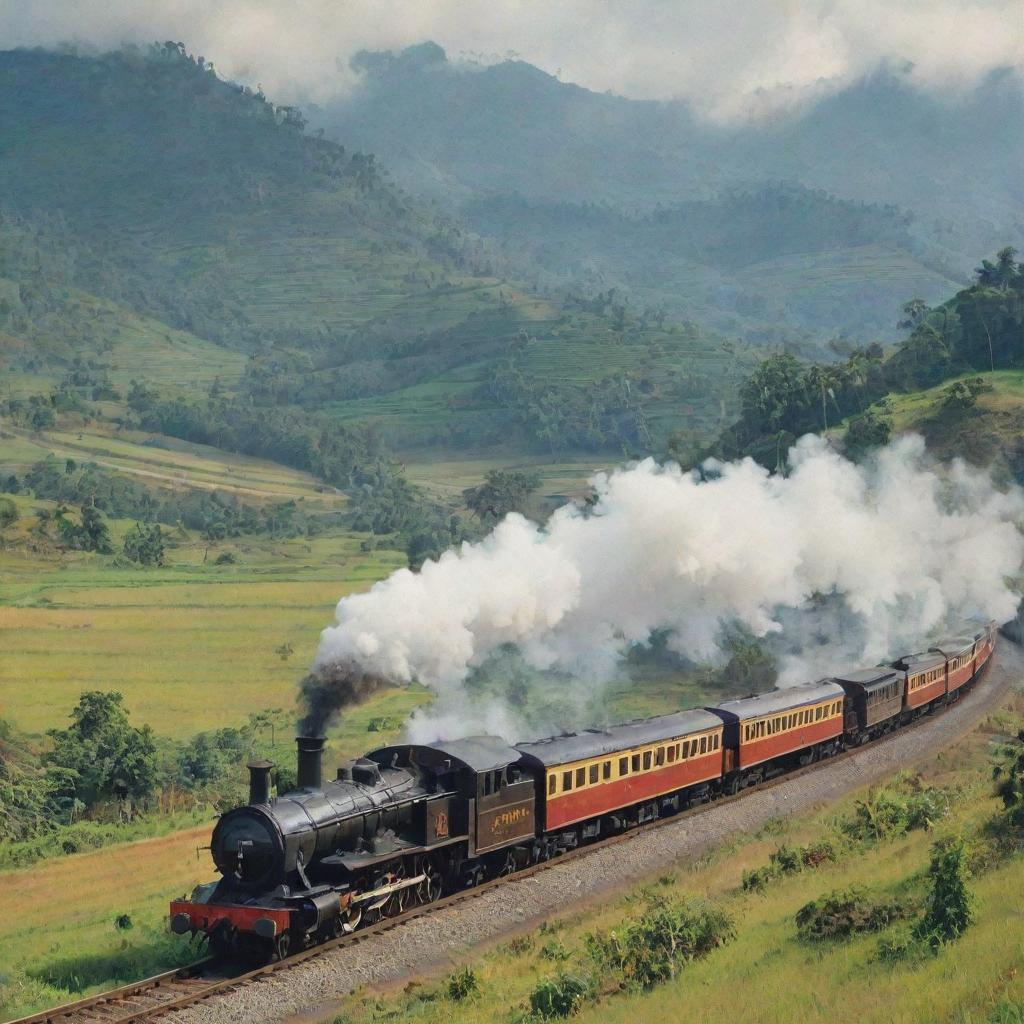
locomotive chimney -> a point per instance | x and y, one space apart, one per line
259 782
311 756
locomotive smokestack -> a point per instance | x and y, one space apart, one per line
311 756
259 782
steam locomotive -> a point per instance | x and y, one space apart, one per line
408 822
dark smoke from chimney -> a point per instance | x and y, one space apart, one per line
330 689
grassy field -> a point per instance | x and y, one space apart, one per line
767 974
54 948
191 646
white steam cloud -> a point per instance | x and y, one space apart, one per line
898 549
730 58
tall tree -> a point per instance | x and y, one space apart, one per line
105 755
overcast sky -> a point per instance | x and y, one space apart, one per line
728 57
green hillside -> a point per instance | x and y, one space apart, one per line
955 378
191 231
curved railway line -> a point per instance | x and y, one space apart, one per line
174 990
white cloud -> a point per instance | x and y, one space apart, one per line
729 57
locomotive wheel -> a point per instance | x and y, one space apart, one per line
347 921
508 866
397 902
430 888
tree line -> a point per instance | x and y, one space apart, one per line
980 328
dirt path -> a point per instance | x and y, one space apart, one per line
438 940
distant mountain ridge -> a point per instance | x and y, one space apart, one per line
466 134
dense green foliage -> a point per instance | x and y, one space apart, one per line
559 996
788 860
948 911
980 328
893 810
104 756
503 491
145 544
655 946
843 913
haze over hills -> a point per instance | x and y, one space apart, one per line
940 177
153 213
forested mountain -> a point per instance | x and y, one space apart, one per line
470 133
159 223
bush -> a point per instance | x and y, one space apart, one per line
948 912
461 984
559 996
519 945
845 912
899 947
787 860
554 950
894 811
667 935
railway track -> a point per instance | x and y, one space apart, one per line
173 990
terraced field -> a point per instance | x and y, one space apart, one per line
169 463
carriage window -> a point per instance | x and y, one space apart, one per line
671 753
647 760
593 774
717 741
635 763
607 770
817 713
703 744
581 777
659 756
566 781
623 765
552 783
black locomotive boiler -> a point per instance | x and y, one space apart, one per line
392 830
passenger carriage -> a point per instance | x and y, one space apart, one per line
926 679
625 771
960 664
768 733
